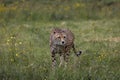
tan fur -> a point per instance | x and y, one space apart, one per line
61 41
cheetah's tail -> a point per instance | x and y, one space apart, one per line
76 53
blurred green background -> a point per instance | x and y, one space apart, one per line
25 26
45 10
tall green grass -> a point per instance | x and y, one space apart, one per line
29 10
25 54
25 27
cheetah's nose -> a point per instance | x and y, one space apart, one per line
63 42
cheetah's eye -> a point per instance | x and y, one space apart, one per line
64 36
54 32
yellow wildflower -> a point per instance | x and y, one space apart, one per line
20 42
67 8
11 37
8 40
11 60
77 5
17 55
7 43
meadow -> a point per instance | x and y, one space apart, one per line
25 27
25 54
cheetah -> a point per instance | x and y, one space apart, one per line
61 42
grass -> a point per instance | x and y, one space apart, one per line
25 54
29 10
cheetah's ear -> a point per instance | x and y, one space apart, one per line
56 30
53 30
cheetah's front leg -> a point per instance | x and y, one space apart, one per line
66 58
53 60
61 60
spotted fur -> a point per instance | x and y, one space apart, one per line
61 42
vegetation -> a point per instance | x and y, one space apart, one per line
47 10
25 26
